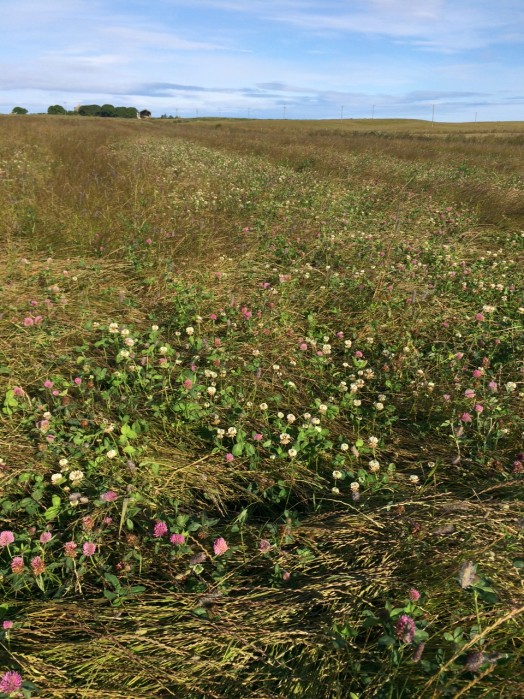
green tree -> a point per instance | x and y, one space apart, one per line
90 110
56 109
19 110
107 110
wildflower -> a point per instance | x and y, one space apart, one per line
373 442
18 391
344 447
414 479
7 624
160 529
89 548
63 463
109 496
28 322
374 466
347 344
379 406
335 490
264 545
154 328
290 418
70 549
322 409
45 537
111 453
177 539
292 453
48 383
258 437
465 417
211 390
17 565
232 432
414 595
479 408
337 475
190 331
229 457
37 565
493 386
355 487
511 386
10 682
405 629
286 576
76 476
220 546
469 393
188 384
285 438
6 538
480 317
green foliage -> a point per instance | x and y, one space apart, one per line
56 109
19 110
107 110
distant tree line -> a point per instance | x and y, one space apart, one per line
107 110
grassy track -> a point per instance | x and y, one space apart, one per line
262 423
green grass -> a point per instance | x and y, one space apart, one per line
303 338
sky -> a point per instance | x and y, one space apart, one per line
451 60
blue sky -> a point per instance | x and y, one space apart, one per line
312 59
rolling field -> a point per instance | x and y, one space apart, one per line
262 394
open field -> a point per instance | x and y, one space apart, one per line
262 391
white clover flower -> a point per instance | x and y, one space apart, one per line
249 405
290 418
255 352
56 478
489 309
263 406
357 403
306 416
276 367
315 421
211 391
355 486
292 453
326 349
414 479
124 354
280 415
337 475
344 447
113 327
76 476
322 409
220 433
511 386
374 466
124 332
347 344
335 490
63 463
379 406
162 350
111 453
190 331
373 441
232 432
47 415
285 438
382 397
129 341
154 328
291 384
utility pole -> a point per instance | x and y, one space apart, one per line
284 111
